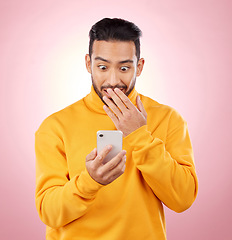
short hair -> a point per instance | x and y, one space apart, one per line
115 29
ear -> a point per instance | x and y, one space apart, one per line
88 63
140 66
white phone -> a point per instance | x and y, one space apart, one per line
109 137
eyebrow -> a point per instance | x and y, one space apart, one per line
127 61
105 60
101 59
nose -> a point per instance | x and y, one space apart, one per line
113 78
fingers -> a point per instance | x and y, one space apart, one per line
114 168
118 106
101 155
112 105
124 98
110 114
105 173
116 172
91 156
115 161
140 106
117 99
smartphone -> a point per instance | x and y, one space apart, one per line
109 137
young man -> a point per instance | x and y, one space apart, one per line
79 197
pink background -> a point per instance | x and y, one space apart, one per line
188 52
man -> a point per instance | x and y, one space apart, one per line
79 197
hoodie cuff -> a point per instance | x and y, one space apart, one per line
139 138
87 187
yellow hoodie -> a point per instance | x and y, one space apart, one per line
159 170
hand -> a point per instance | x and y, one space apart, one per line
108 172
124 114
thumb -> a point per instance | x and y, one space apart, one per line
91 156
140 106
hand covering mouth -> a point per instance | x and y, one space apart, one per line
122 88
105 90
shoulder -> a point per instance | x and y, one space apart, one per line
158 110
61 118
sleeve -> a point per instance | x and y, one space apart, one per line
58 199
167 167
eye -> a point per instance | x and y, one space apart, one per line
102 67
124 69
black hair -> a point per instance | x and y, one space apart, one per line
111 29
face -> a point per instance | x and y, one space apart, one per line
113 64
